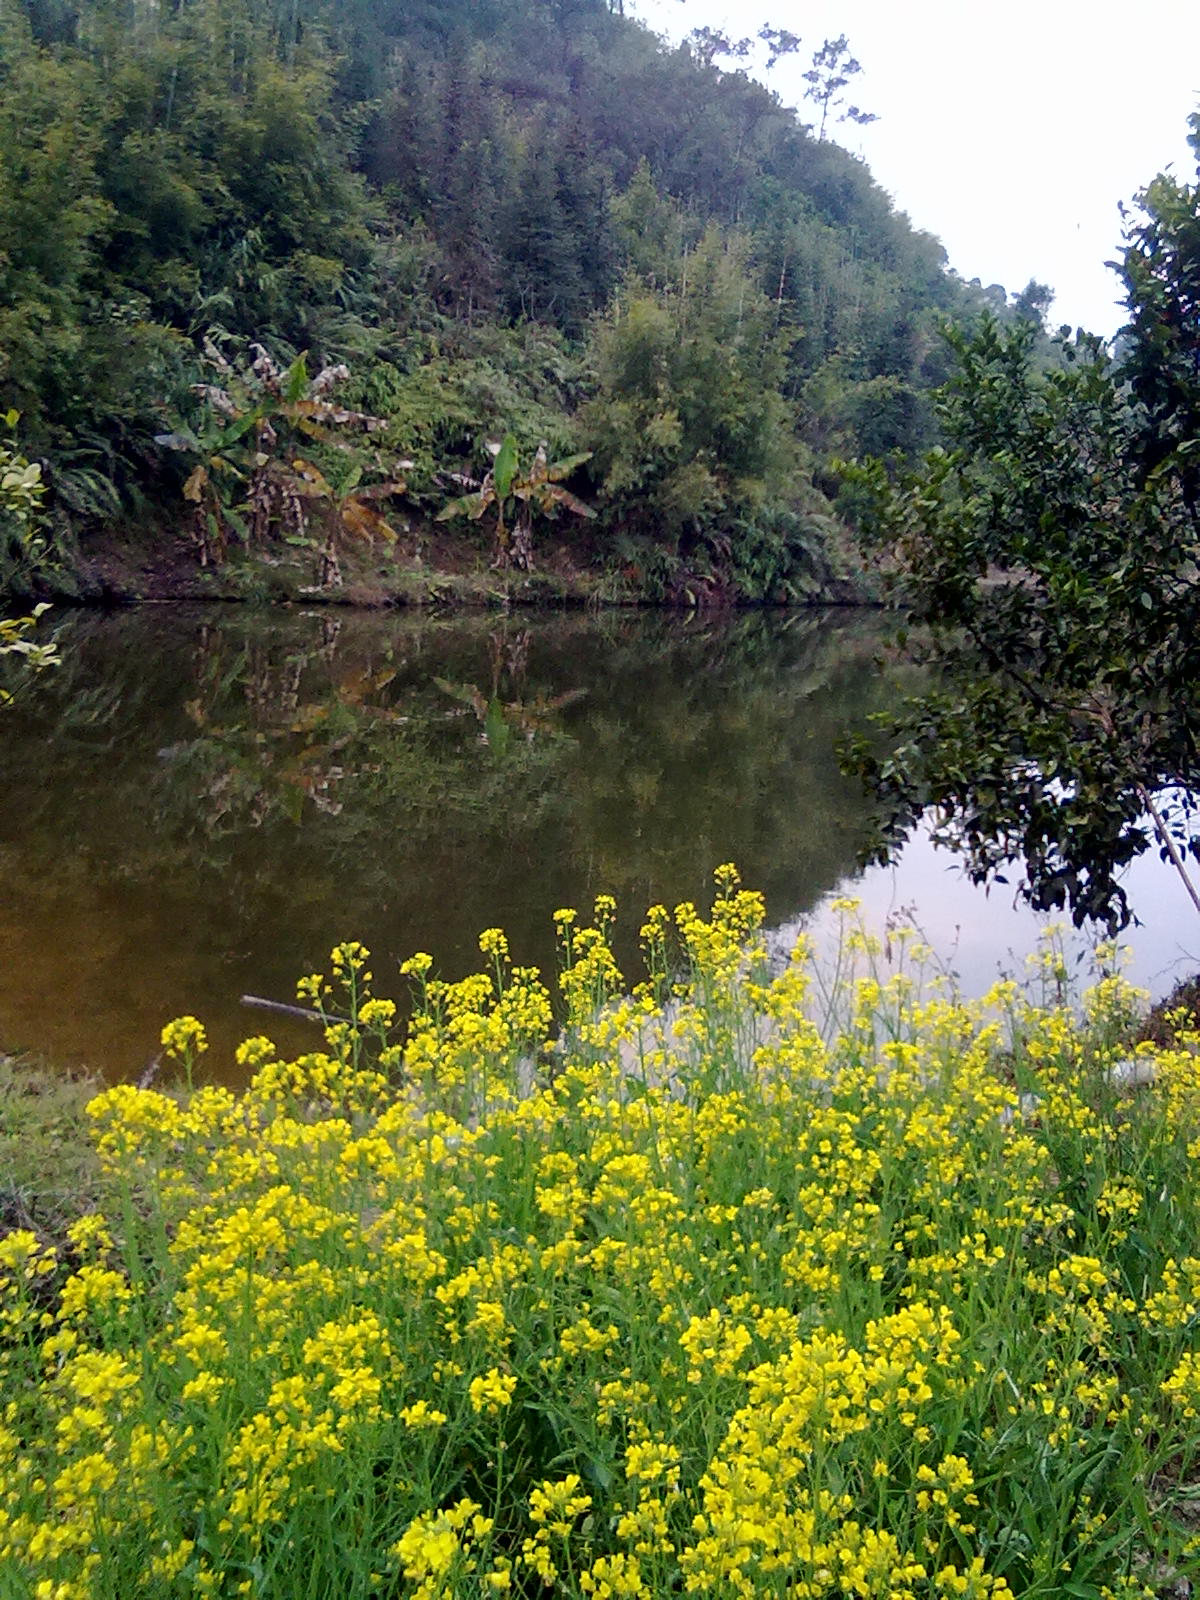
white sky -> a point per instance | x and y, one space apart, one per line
1009 131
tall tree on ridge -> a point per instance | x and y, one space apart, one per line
832 69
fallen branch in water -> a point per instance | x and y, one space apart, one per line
281 1008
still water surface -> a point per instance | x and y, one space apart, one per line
199 802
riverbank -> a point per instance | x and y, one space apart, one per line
905 1307
426 566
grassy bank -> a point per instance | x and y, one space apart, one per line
818 1285
49 1174
428 565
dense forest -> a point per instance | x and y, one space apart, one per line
307 276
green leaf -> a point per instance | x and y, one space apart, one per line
237 430
499 734
505 468
558 470
556 495
467 505
295 380
291 802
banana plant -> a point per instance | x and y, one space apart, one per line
500 719
517 495
249 482
348 512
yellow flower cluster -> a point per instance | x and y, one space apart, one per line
184 1038
748 1283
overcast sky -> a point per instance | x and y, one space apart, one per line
1010 131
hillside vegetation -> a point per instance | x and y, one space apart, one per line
535 223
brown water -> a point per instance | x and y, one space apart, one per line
200 802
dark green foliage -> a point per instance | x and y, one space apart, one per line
25 553
1050 558
448 393
687 424
472 205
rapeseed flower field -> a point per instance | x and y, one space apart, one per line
804 1285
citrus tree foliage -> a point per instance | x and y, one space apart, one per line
19 644
24 548
22 551
1049 557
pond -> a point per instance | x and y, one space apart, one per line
200 801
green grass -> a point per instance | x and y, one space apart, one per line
49 1174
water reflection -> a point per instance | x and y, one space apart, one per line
978 934
198 803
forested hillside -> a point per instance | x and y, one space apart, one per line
532 223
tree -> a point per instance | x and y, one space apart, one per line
52 219
708 44
832 69
780 42
1034 302
21 550
421 190
687 422
1049 560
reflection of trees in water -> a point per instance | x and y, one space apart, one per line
636 739
204 802
268 760
732 754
